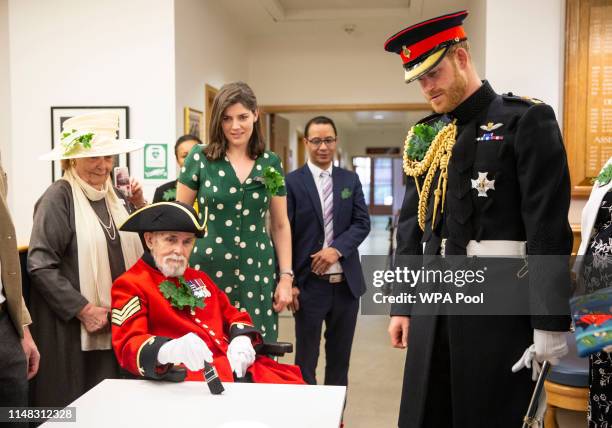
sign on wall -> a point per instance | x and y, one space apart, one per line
155 162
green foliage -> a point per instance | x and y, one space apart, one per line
71 146
423 135
604 176
180 296
169 195
273 180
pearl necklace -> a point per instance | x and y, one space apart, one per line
110 230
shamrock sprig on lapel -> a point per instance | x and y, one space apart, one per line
272 180
180 296
604 176
422 137
346 193
169 195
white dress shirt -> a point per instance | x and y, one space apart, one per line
316 174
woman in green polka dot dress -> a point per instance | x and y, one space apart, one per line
238 181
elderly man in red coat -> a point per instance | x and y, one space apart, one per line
165 313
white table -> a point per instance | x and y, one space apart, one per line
145 403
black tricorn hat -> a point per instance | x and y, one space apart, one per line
165 217
422 46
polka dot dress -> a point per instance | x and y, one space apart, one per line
236 252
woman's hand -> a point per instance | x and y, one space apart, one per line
137 199
94 318
283 295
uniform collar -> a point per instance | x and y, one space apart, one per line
480 99
147 257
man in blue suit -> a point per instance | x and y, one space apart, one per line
329 219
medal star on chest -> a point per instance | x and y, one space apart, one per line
482 184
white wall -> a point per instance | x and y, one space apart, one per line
476 28
5 90
356 142
322 69
79 53
210 49
525 48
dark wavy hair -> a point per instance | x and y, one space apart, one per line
228 95
182 139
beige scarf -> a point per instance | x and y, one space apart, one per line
94 267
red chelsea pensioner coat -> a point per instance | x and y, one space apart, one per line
143 320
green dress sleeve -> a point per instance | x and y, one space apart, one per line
278 165
190 172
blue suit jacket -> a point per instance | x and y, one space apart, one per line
351 223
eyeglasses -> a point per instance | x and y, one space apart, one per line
318 141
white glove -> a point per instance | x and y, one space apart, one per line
550 346
547 346
240 354
190 350
528 360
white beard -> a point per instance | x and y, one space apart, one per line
174 269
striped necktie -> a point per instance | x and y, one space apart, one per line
328 207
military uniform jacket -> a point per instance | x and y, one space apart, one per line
143 320
517 143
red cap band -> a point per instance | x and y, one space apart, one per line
410 53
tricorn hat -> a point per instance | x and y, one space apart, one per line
422 46
165 217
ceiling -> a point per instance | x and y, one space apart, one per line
293 5
275 17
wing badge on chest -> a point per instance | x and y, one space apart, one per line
489 135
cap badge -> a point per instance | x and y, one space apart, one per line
406 51
482 184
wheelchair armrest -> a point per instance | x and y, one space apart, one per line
275 349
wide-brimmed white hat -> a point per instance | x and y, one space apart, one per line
91 135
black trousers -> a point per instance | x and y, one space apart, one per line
438 410
335 304
13 369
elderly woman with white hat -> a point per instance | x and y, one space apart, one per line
76 251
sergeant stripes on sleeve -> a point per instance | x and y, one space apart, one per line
119 316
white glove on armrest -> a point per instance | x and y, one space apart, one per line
190 350
547 346
240 354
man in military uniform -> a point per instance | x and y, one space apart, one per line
504 190
165 313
